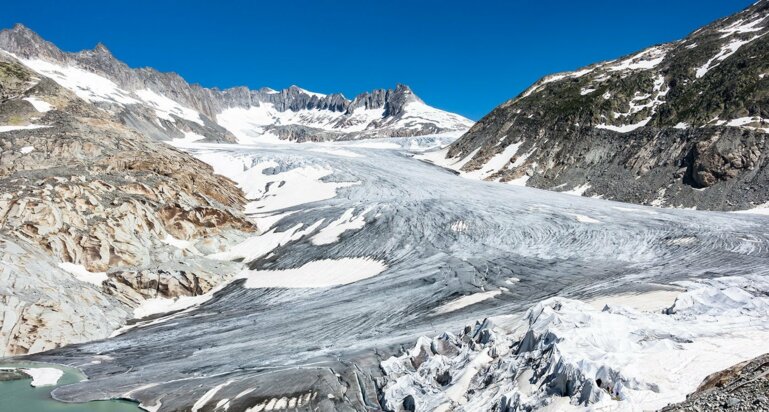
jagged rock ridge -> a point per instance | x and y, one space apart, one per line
165 106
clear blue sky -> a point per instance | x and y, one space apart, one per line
462 56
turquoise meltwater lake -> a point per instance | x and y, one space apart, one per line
20 396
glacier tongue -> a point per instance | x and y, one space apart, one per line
567 354
454 249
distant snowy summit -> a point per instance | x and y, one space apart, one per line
166 107
680 124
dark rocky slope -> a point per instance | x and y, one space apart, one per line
679 124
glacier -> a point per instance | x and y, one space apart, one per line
374 249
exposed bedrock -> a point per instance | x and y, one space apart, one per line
94 194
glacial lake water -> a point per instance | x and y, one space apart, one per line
20 396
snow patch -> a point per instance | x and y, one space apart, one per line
726 51
316 274
439 158
165 107
496 163
347 221
154 306
40 105
520 181
645 60
181 244
624 128
466 301
554 78
25 127
758 210
578 190
740 26
307 92
208 396
82 274
274 192
586 219
258 246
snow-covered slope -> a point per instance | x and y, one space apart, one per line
165 106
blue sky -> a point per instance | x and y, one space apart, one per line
462 56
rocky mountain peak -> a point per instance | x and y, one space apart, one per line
24 42
101 49
403 89
101 59
21 29
397 100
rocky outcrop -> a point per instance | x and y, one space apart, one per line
678 124
44 307
192 275
140 92
90 192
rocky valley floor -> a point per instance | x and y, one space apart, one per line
368 264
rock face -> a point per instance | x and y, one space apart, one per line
43 307
678 124
165 106
91 193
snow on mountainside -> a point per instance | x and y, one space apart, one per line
358 120
166 107
680 124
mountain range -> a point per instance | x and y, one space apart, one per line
166 107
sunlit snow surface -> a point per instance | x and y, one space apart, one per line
433 252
